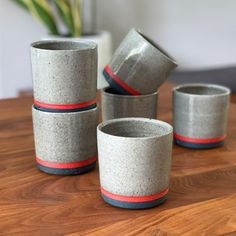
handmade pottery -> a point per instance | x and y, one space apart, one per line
138 66
116 105
200 115
103 39
65 143
134 161
64 74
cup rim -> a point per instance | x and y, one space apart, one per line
88 45
169 128
128 96
225 90
156 46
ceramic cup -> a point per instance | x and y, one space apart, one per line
200 115
64 75
65 143
116 105
134 161
138 66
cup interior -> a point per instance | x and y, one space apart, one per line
112 91
203 90
63 45
135 128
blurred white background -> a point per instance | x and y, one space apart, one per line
199 34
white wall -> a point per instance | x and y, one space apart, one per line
199 34
17 31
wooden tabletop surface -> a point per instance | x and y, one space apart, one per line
202 198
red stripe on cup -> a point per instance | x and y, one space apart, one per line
199 140
64 106
121 82
135 198
69 165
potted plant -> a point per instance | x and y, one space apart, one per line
72 19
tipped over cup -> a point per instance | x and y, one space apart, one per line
138 66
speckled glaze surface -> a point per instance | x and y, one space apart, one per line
64 72
139 63
200 114
119 106
65 140
134 161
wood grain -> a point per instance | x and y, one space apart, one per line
202 191
212 217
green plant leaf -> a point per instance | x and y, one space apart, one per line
64 10
41 9
21 3
75 6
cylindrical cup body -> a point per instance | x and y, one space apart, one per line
64 72
103 40
134 161
200 115
65 143
138 66
119 106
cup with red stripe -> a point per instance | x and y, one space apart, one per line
134 161
64 75
138 66
200 115
65 143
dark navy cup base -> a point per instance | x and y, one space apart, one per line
66 171
199 145
134 205
64 110
114 84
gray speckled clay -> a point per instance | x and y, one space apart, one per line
64 72
134 158
140 63
200 114
65 137
119 106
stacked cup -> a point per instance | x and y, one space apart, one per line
65 114
134 152
135 73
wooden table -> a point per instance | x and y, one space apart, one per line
202 198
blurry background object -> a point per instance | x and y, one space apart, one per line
201 35
77 16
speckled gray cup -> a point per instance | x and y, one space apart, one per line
134 161
138 66
200 115
64 74
65 143
116 105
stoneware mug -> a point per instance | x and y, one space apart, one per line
134 161
138 66
200 115
64 75
65 143
116 105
